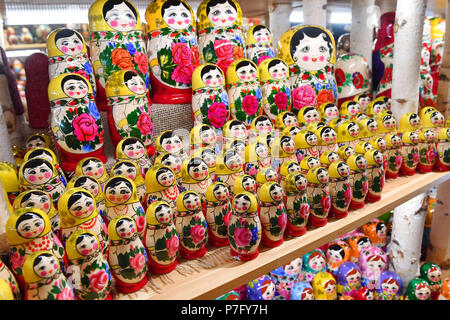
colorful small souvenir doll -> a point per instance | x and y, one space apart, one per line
262 288
229 166
244 229
90 184
345 151
337 252
291 131
324 286
129 112
348 133
327 139
427 150
173 162
266 175
44 278
203 135
445 290
302 290
236 145
116 42
386 123
306 144
376 106
368 128
160 184
433 119
28 230
349 110
161 238
67 53
191 225
170 141
318 196
275 89
418 289
312 263
260 127
328 112
376 230
393 155
218 213
78 211
297 204
432 273
258 44
38 140
375 175
130 170
244 91
372 261
283 150
389 286
92 167
133 149
234 129
285 119
8 277
121 199
380 144
49 155
306 116
195 176
285 277
127 255
208 155
220 35
172 50
410 153
257 156
358 180
272 214
245 183
348 278
328 157
75 121
409 121
285 169
443 150
362 147
89 270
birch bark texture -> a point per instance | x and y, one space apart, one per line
279 21
443 91
361 32
315 12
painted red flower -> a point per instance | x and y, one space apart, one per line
262 58
224 49
227 218
398 161
358 80
282 221
415 157
142 62
183 74
172 245
325 96
137 262
145 124
250 104
387 76
304 210
65 294
325 203
98 280
365 186
223 64
281 101
304 96
181 54
348 195
195 56
198 234
84 127
340 76
217 114
242 237
429 154
122 58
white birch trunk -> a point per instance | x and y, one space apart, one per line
443 94
315 12
279 21
361 33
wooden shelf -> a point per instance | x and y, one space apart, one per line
218 273
26 46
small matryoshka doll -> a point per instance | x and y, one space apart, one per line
10 284
376 230
349 110
410 153
291 131
389 286
432 273
38 140
257 156
393 155
49 155
191 226
44 278
244 90
229 166
327 139
161 238
262 288
445 290
195 176
67 53
376 106
266 175
202 136
375 175
160 184
348 133
208 155
210 105
170 141
258 44
345 151
41 174
133 149
432 119
307 116
443 150
328 112
364 100
272 213
283 150
275 89
386 123
365 293
306 144
372 261
234 129
90 184
418 289
324 286
368 128
427 150
244 229
348 278
130 170
121 199
285 169
116 42
260 127
297 204
172 50
337 252
340 189
78 211
220 35
309 162
302 290
312 263
319 196
409 121
357 242
75 121
218 213
127 255
129 112
245 182
328 157
93 167
362 147
380 144
236 145
285 277
89 270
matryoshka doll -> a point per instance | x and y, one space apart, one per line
129 112
28 230
90 184
376 230
127 255
318 196
348 278
285 169
173 162
345 151
89 270
160 184
328 112
389 286
445 290
67 53
116 42
130 170
44 279
410 153
306 144
340 189
372 261
386 123
358 180
161 238
365 293
245 182
275 89
324 286
349 110
328 157
220 35
170 141
121 199
312 263
93 167
244 92
244 229
427 150
75 121
348 133
283 150
302 290
203 136
258 44
337 252
218 213
272 214
327 139
229 166
266 175
375 175
393 155
377 105
262 288
285 277
260 127
368 128
432 273
443 150
257 156
418 289
291 131
357 242
49 155
78 211
133 149
9 280
236 145
234 129
307 116
38 140
191 225
409 121
195 176
172 50
380 144
297 204
310 53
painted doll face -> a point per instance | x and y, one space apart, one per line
353 131
331 111
276 192
278 71
71 45
32 227
213 78
208 136
264 126
333 157
165 178
322 176
46 267
362 243
381 230
90 186
311 139
361 162
300 182
36 142
434 275
86 245
75 88
262 35
221 192
124 170
239 147
312 53
121 18
423 293
38 175
330 287
389 287
82 207
290 120
261 150
378 157
119 193
135 150
238 131
293 267
353 277
312 162
271 175
222 15
381 144
389 122
209 158
126 228
233 161
37 200
329 136
241 204
349 151
249 184
354 108
269 291
396 141
177 17
364 102
307 294
173 162
246 73
334 255
163 214
376 265
191 201
288 145
379 106
429 135
136 84
317 263
293 167
437 119
372 126
198 170
172 144
414 137
93 168
343 170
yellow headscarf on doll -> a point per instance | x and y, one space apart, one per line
304 163
53 50
24 183
261 175
6 292
279 121
150 214
389 142
345 151
197 81
55 87
405 122
319 281
68 220
185 176
362 147
154 16
198 153
138 180
371 155
134 195
263 67
112 227
320 141
250 38
353 159
14 238
381 117
158 161
52 212
180 201
28 266
300 139
312 175
378 143
343 133
151 181
195 135
97 21
117 87
54 159
343 109
325 159
222 168
232 77
239 183
253 125
426 132
364 127
226 130
333 171
290 182
43 136
264 192
81 163
370 110
426 119
280 152
203 21
444 134
9 180
209 194
425 110
71 244
120 154
253 207
284 169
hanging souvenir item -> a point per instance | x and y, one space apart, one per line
257 156
319 196
170 141
218 213
358 180
133 149
89 270
443 150
262 288
172 50
195 176
161 238
306 144
328 112
229 166
9 284
337 252
327 138
234 129
127 255
10 182
375 175
348 278
376 230
258 44
75 121
244 229
312 263
130 170
357 242
372 261
389 286
285 277
418 289
49 155
432 273
297 204
324 286
283 150
160 184
410 153
38 140
92 167
302 290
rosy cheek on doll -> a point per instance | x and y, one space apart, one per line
46 206
84 91
126 196
131 24
134 88
231 18
32 178
79 47
91 208
47 175
171 21
95 246
208 82
215 19
186 21
305 58
71 93
321 58
112 198
64 49
114 23
130 154
242 77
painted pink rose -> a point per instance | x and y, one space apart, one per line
84 127
242 237
325 203
252 171
198 234
181 54
429 154
223 64
98 280
304 96
83 74
365 186
183 74
261 59
415 157
145 124
172 245
224 49
217 114
398 161
227 217
281 101
65 294
17 260
140 223
304 210
250 105
137 262
141 61
348 195
282 221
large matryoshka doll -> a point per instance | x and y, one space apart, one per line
348 133
218 213
432 273
202 136
443 150
116 43
393 155
340 189
372 261
318 196
297 204
161 238
410 153
310 53
258 44
10 283
312 263
129 112
285 277
275 88
348 278
283 150
418 289
327 139
358 180
229 166
324 286
92 185
375 175
28 230
133 149
256 157
130 170
210 105
302 290
67 53
75 121
306 144
92 167
376 230
195 176
244 91
337 252
220 34
262 288
172 50
244 221
160 184
389 286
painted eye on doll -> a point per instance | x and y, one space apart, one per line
30 225
70 45
75 88
120 17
